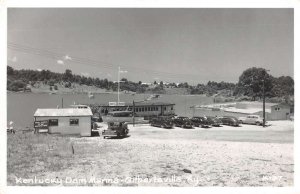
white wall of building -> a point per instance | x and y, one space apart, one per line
83 128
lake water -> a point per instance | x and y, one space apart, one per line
21 106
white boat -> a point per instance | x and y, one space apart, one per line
90 95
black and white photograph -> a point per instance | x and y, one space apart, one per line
155 97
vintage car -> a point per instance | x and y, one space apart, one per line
183 122
214 121
230 120
163 122
200 122
116 129
251 119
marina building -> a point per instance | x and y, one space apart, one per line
141 109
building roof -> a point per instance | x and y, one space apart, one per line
62 112
146 103
282 104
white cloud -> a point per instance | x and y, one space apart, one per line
85 74
13 59
60 62
39 69
67 57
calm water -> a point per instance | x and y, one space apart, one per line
21 106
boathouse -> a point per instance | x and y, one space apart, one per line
72 121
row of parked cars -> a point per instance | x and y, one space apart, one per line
205 121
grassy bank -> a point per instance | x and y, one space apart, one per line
29 154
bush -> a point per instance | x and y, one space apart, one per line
68 85
51 83
16 85
55 87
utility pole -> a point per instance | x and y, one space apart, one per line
133 112
264 103
264 99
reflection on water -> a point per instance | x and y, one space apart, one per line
21 106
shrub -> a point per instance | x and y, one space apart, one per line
16 85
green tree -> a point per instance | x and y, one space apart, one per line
161 84
251 83
68 76
10 70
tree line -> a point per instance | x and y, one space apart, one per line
251 83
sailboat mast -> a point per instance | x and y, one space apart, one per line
119 86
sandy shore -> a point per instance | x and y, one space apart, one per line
153 157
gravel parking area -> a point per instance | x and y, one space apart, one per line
150 156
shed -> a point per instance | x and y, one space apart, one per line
66 120
281 112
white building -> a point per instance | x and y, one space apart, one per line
73 121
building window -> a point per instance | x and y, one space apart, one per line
53 122
156 108
143 109
171 107
165 108
74 121
277 108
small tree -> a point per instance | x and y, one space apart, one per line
68 85
161 84
50 88
55 87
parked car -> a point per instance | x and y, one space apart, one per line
200 122
214 121
230 120
163 122
251 119
116 129
183 122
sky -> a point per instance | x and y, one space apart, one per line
170 45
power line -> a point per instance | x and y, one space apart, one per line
90 62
